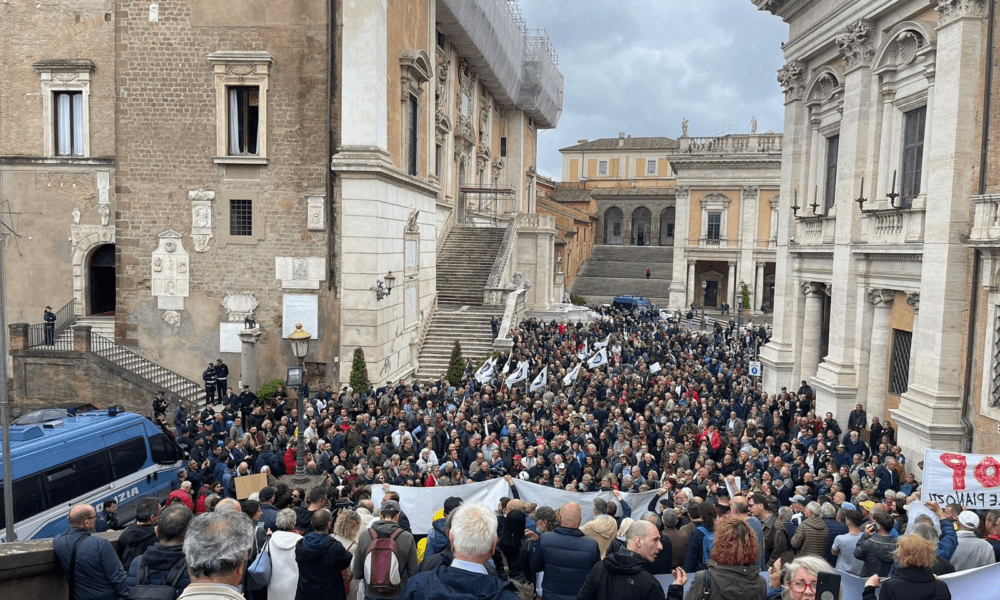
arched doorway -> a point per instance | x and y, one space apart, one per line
641 225
667 226
102 280
614 220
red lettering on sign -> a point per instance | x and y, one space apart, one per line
955 462
982 472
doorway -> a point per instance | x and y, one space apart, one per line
641 222
102 280
613 221
667 226
711 294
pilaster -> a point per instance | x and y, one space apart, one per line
878 363
365 105
680 284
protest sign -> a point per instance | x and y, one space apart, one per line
972 480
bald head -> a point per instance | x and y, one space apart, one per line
570 515
641 528
82 515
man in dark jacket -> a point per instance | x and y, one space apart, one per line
139 535
269 514
320 559
622 575
167 553
406 547
437 538
98 571
565 555
473 539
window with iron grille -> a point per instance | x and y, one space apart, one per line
830 191
899 368
913 153
995 392
714 231
240 217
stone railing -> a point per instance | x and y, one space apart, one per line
893 226
535 221
513 314
425 325
733 144
493 293
986 222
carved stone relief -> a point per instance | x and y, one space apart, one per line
857 45
301 273
913 300
202 217
316 216
103 186
171 276
172 317
792 78
881 296
949 10
240 306
105 212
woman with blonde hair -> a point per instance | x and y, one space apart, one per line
913 577
346 531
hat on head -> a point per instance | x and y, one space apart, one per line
517 457
389 507
968 519
799 498
266 494
451 504
867 505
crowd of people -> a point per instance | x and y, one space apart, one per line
746 482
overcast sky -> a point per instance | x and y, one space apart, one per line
641 66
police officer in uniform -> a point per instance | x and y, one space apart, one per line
210 380
221 375
50 326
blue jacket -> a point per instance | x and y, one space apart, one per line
159 559
99 572
566 556
451 583
437 538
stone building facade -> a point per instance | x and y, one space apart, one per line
186 166
884 132
713 200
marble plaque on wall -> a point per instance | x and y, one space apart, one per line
411 252
411 305
229 337
300 308
300 273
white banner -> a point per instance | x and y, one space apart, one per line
420 504
547 496
972 480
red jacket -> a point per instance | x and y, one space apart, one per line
290 461
181 496
713 439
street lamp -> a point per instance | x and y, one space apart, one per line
704 308
297 377
739 307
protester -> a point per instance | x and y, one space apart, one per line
215 548
89 563
972 551
281 547
622 576
167 553
565 555
732 571
913 577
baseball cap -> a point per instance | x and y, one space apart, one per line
390 506
451 504
848 506
867 505
968 519
266 494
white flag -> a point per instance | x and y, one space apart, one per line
485 372
506 366
603 344
571 376
541 380
520 374
583 353
655 368
599 359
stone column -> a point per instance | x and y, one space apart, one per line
365 106
812 327
680 294
930 411
691 282
731 294
249 361
758 290
878 362
18 335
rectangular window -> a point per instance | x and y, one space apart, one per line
616 228
830 191
28 497
503 147
714 232
602 167
650 167
128 457
69 123
411 163
244 121
913 154
437 160
899 369
71 479
240 217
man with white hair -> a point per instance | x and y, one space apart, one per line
216 545
473 537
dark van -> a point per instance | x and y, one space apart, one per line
631 303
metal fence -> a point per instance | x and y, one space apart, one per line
38 339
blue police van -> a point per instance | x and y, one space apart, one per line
60 459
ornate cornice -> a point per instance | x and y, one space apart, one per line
880 296
792 78
812 287
857 45
950 10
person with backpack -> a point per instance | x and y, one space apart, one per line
386 555
699 548
732 570
161 571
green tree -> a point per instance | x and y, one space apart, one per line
456 367
359 372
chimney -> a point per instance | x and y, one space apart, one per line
583 141
621 139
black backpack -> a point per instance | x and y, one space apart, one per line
167 590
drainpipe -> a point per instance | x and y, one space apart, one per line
328 179
977 254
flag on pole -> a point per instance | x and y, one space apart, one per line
571 376
541 380
599 359
655 368
583 353
506 366
485 372
520 374
603 344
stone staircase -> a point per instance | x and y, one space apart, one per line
610 271
470 325
464 263
102 325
